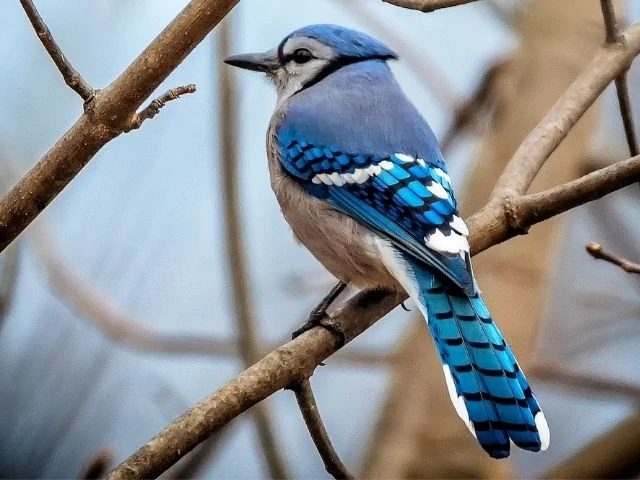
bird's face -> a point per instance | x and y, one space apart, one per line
308 55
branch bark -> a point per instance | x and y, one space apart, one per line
109 115
313 420
606 65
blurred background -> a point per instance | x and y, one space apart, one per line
119 305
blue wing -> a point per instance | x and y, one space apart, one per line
403 197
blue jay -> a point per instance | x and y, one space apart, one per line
360 179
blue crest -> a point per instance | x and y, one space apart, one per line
347 43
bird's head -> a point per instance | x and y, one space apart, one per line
308 55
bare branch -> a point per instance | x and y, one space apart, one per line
596 251
622 89
248 345
280 368
608 62
154 107
70 74
427 5
516 215
313 420
610 22
110 115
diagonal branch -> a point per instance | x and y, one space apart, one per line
110 115
596 251
70 74
315 425
608 62
427 5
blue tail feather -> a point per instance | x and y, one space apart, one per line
485 375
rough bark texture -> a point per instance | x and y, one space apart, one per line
419 435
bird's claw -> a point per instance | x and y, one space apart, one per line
324 320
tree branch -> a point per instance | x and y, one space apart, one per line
622 90
606 65
427 5
596 251
313 421
70 74
154 107
109 116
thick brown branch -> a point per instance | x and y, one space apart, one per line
110 115
154 107
282 367
70 74
607 64
497 223
427 5
596 251
313 420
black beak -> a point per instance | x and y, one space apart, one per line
258 62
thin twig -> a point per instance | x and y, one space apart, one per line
610 22
154 107
427 5
109 116
249 348
596 251
313 421
70 74
622 90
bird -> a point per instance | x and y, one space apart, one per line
362 182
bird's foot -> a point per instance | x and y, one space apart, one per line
320 318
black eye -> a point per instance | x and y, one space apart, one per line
301 55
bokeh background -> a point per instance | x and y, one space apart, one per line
116 305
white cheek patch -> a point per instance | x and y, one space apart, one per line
457 400
453 244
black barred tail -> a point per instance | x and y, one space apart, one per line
486 385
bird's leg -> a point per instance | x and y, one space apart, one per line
320 317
